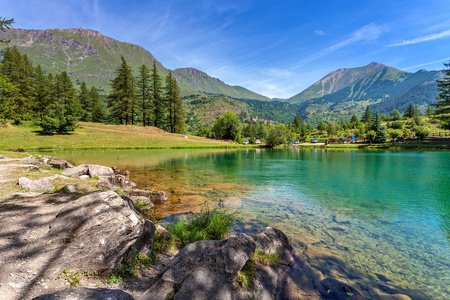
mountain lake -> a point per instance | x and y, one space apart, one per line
380 220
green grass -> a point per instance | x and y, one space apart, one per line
101 136
130 266
210 224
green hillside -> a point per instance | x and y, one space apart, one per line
340 79
89 56
204 83
86 55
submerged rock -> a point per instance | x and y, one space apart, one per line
159 197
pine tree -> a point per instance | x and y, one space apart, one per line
96 106
83 98
143 85
19 70
42 97
158 103
411 112
298 123
178 111
367 116
4 25
380 135
443 106
122 96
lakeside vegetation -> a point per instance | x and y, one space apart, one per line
100 136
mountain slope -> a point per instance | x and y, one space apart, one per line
348 91
86 55
204 83
89 56
343 78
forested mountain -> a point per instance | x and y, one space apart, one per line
348 91
202 82
86 55
89 56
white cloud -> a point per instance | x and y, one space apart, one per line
428 63
422 39
367 33
277 72
319 32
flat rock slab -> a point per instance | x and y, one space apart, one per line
36 185
53 232
87 294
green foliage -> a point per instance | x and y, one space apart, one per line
247 274
411 112
122 95
157 100
421 132
396 125
367 116
322 126
210 224
5 25
395 133
395 115
228 126
74 278
443 106
332 128
267 259
203 131
276 135
130 266
375 126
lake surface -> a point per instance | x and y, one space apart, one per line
380 219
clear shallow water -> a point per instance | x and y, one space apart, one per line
385 214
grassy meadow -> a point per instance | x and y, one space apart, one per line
101 136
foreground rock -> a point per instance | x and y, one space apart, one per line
85 294
204 270
59 163
91 170
53 232
36 185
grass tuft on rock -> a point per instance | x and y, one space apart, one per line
210 224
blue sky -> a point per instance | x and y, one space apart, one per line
275 48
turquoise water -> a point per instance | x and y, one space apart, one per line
384 215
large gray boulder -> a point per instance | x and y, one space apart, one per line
94 233
77 171
204 270
36 185
96 170
91 170
81 293
52 232
60 163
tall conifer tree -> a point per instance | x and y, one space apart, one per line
83 98
122 96
144 94
158 103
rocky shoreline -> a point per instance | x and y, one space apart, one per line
88 230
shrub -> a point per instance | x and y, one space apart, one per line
208 225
